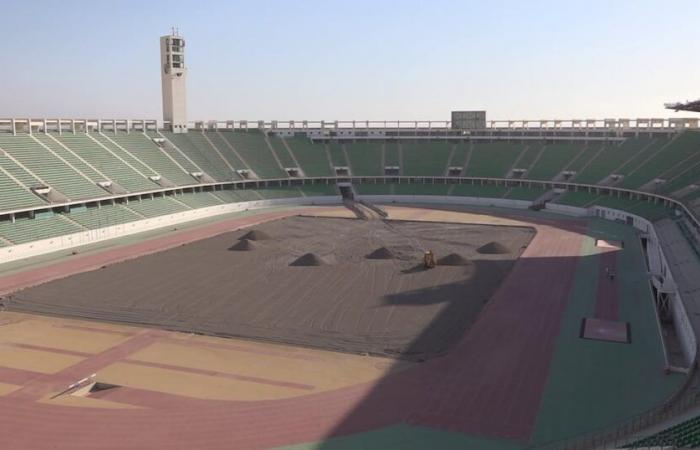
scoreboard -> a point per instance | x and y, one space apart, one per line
468 120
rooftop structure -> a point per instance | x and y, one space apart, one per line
693 106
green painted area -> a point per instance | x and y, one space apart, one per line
365 158
525 193
459 157
476 190
528 156
611 158
391 157
425 158
374 189
337 155
580 198
421 189
493 159
554 158
279 192
595 384
280 150
406 437
671 156
251 146
319 189
312 157
584 157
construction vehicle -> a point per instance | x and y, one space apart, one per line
429 260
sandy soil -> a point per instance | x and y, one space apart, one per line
389 307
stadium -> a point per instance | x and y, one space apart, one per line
462 283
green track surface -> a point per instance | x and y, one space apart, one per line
406 437
594 384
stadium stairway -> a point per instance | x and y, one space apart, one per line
161 162
257 154
50 169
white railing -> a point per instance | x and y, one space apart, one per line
617 125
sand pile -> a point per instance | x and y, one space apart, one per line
415 313
244 245
493 248
381 253
453 259
308 260
255 235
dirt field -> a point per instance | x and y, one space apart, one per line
309 283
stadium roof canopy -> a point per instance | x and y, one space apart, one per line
687 106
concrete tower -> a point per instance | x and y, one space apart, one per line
174 77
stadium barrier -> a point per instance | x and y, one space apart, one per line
658 265
448 200
432 180
69 241
566 209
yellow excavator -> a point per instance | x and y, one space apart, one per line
429 260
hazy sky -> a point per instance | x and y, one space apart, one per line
309 59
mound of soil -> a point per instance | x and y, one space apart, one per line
244 245
308 260
453 259
381 253
255 235
493 248
416 314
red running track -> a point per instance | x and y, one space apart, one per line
490 385
607 305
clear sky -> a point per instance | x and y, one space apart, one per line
362 59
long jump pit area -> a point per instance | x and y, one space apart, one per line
288 328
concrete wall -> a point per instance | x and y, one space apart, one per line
566 210
68 241
658 265
444 200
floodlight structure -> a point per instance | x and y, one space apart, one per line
693 106
174 81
